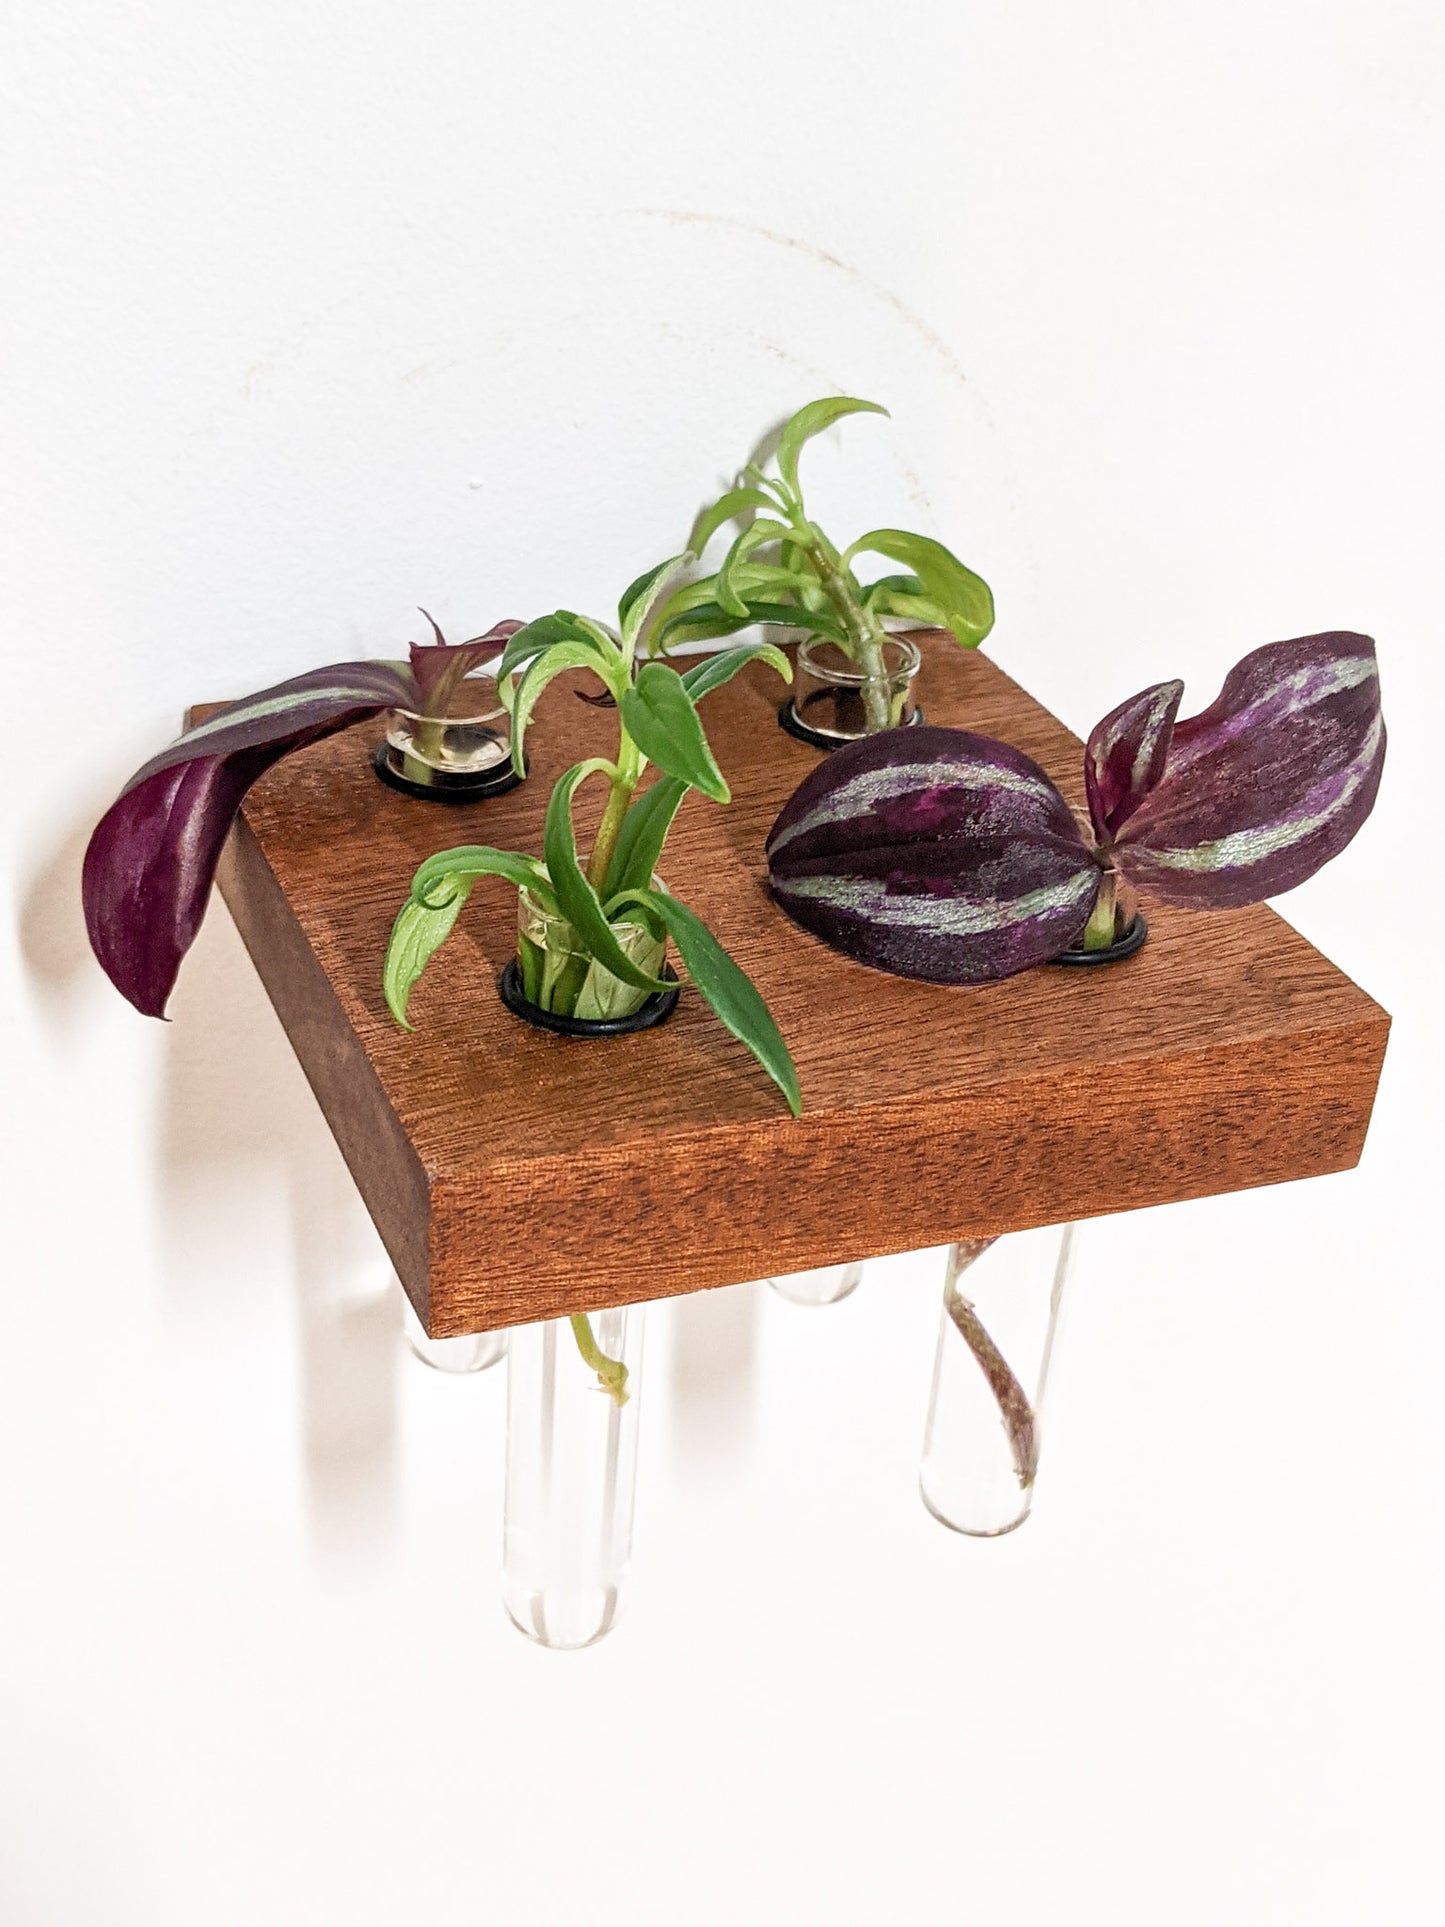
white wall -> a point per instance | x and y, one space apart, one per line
320 311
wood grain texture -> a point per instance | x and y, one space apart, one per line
511 1172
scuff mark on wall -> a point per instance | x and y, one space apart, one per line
425 370
684 217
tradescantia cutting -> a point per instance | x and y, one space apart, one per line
592 935
782 569
946 856
942 855
152 858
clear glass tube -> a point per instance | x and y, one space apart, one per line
558 971
472 1353
473 739
831 694
1001 1300
571 1480
826 1285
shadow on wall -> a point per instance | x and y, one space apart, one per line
51 924
251 1182
714 1378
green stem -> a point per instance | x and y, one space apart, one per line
611 1372
433 719
865 636
1099 930
609 829
626 776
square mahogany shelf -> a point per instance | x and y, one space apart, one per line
517 1175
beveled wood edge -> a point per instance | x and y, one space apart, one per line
1320 1083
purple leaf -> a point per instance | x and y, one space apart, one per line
1268 783
933 853
437 667
1125 755
150 862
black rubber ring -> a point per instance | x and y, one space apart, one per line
1122 947
496 783
658 1008
789 720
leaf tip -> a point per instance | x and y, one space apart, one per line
397 998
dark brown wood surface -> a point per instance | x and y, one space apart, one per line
515 1175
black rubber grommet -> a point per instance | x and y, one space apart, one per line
474 789
656 1010
1122 947
789 720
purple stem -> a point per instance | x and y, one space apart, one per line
1014 1408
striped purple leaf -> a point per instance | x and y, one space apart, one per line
1125 755
933 853
437 667
937 854
152 858
1253 795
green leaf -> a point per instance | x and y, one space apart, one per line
902 595
418 932
610 647
659 716
710 620
539 636
576 899
736 502
768 582
759 581
602 994
907 585
729 991
690 596
910 608
438 890
431 884
541 671
643 833
642 596
705 622
755 536
963 598
713 671
811 421
531 962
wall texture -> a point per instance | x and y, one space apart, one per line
319 312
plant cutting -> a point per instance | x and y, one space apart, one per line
1001 1301
152 858
854 676
592 933
453 744
942 855
946 856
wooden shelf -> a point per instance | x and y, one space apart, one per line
514 1175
